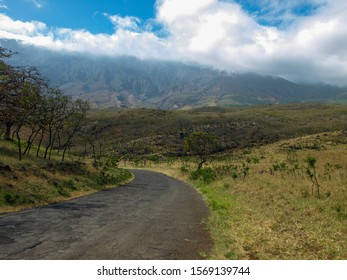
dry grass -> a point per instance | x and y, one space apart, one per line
271 213
36 182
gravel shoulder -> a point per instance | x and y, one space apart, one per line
153 217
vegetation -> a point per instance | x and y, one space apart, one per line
36 181
50 121
201 144
28 107
274 177
275 184
261 200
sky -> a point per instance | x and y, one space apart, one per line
300 40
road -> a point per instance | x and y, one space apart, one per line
153 217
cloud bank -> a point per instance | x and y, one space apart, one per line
303 41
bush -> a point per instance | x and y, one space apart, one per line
234 175
70 184
110 161
113 176
13 199
64 188
207 175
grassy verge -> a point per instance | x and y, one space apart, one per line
35 182
265 204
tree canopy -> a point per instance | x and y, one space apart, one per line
201 144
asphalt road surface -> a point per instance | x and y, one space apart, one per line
153 217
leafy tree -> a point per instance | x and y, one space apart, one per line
201 144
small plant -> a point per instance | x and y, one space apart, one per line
234 175
245 170
312 173
184 169
207 175
282 166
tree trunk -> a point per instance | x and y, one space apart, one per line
201 163
40 142
19 145
52 145
49 144
8 131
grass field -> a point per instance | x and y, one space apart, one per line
264 204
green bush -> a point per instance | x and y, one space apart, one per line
13 199
207 175
64 188
113 176
234 175
70 184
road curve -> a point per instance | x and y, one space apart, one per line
153 217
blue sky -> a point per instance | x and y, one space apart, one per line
90 14
78 14
300 40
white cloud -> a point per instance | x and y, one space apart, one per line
126 23
311 48
17 27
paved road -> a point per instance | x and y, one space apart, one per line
153 217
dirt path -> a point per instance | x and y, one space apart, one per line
153 217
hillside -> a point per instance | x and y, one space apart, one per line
140 133
263 204
131 82
35 181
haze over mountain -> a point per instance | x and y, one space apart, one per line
130 82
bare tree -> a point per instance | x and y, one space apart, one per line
73 123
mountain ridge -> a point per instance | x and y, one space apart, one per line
132 82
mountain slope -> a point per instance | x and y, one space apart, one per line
131 82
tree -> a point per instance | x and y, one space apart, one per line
20 88
312 173
20 93
26 101
201 144
73 123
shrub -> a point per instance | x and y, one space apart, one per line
64 188
113 176
234 175
12 199
70 184
207 175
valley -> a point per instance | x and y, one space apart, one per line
258 182
266 155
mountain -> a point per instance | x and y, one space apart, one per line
131 82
